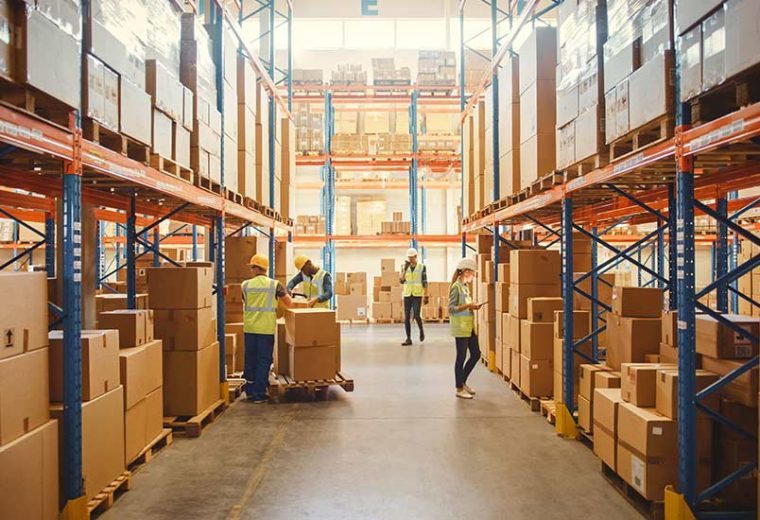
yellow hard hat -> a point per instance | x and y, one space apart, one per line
300 261
260 261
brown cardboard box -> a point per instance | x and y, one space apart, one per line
388 265
585 415
311 327
652 358
29 475
637 302
230 349
23 312
513 332
185 329
581 324
604 291
741 35
520 293
630 339
281 356
690 13
666 390
134 368
587 379
670 328
487 294
502 297
534 267
604 379
382 310
717 340
135 326
100 363
647 450
605 413
536 340
154 374
237 330
535 376
115 302
237 255
638 383
154 414
351 307
505 332
102 418
516 366
538 56
669 354
23 394
542 309
134 430
180 287
312 362
743 389
191 380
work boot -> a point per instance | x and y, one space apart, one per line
463 394
422 336
469 390
407 342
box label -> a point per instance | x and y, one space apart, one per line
638 474
9 337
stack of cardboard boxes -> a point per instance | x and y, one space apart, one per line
348 74
581 328
634 326
309 128
397 226
28 438
246 129
351 295
437 306
186 324
436 68
509 125
387 304
536 346
310 225
141 376
592 376
312 337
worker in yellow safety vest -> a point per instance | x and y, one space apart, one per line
261 295
462 319
414 280
317 283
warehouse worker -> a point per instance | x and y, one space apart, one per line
462 319
317 283
260 297
414 280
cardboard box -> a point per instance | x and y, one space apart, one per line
670 328
639 383
647 450
180 287
191 380
743 389
185 329
115 302
312 362
23 394
535 376
281 356
134 430
581 324
382 310
669 354
512 332
637 302
311 327
133 365
741 35
651 90
538 56
502 297
23 312
516 367
154 361
666 391
536 339
690 45
135 326
388 265
537 158
237 330
100 363
520 293
29 475
605 379
606 404
720 341
102 418
689 13
534 267
587 379
619 65
542 309
714 50
351 307
230 351
154 414
630 339
585 415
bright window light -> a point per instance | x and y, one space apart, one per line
366 34
421 34
316 34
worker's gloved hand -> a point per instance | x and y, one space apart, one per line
312 302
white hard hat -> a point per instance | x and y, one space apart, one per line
411 252
467 264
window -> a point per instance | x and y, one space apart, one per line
315 34
421 34
366 34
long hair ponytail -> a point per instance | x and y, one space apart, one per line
457 274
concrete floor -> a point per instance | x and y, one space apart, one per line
400 446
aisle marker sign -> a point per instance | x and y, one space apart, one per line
370 8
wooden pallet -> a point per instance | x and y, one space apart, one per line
364 321
103 501
94 131
383 321
34 102
279 385
533 402
648 508
235 387
193 426
731 95
581 168
654 132
549 410
233 196
161 163
208 185
154 447
546 182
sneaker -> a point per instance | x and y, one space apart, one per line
469 390
464 394
422 336
260 400
407 343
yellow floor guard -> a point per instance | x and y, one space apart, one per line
492 361
75 510
224 392
675 506
564 422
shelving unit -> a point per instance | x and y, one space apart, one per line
697 171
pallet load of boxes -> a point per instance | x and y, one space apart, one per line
351 296
388 302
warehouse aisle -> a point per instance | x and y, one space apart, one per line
400 446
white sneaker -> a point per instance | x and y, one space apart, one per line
469 390
464 394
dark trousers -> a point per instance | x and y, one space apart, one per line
258 361
462 369
412 305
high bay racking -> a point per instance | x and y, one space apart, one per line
51 162
700 170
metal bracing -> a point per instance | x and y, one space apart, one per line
131 242
413 172
568 351
328 191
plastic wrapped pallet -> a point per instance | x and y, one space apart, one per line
117 36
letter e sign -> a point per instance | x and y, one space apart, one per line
369 7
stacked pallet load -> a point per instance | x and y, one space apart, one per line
592 376
29 456
141 376
638 65
581 329
309 129
263 186
436 68
387 303
437 306
385 73
113 302
342 215
313 344
351 296
397 226
285 173
582 32
369 216
310 225
247 152
477 136
185 322
509 126
349 74
307 76
468 165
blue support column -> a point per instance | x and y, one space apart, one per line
272 132
118 252
219 219
99 247
595 294
413 189
219 230
131 241
328 192
567 297
722 254
661 255
195 243
50 245
462 104
733 261
157 245
72 332
672 248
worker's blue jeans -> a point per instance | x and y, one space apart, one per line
258 360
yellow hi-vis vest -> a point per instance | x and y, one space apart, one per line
413 284
314 287
462 322
260 305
